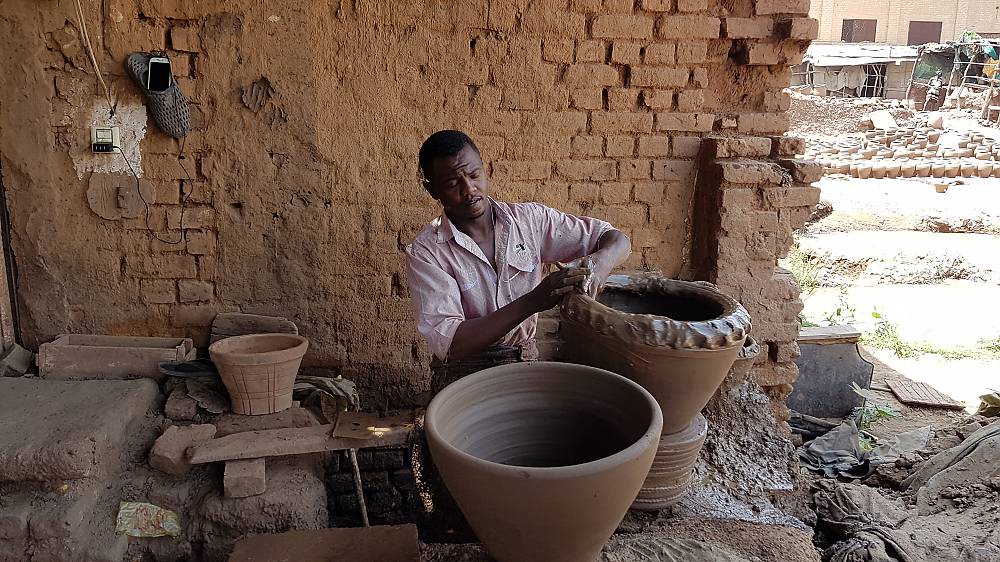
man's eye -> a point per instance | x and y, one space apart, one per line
475 174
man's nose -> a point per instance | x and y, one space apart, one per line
468 186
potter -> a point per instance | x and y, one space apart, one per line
475 272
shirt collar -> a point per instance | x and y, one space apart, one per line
447 231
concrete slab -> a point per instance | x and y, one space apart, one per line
59 430
385 544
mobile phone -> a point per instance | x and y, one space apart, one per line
159 74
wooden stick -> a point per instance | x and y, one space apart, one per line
357 486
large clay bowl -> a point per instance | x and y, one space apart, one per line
543 458
259 370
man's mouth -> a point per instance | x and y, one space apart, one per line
472 202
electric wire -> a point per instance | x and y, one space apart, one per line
184 196
93 59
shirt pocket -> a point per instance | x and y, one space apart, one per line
523 261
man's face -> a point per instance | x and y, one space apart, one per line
459 183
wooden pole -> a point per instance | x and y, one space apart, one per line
358 491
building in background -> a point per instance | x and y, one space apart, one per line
899 22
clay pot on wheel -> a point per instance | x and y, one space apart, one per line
677 339
259 370
543 458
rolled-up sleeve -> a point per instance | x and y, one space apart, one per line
437 300
564 237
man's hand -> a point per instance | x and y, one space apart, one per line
551 290
600 264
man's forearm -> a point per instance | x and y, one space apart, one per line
476 334
615 245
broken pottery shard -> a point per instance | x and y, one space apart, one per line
169 452
206 396
180 406
228 324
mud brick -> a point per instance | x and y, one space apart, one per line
591 51
584 191
634 169
587 98
518 99
566 122
521 170
619 146
689 27
557 50
698 122
622 99
586 6
131 35
762 123
630 215
192 315
626 53
802 29
777 101
735 199
621 123
158 291
166 266
622 26
244 478
654 145
657 5
690 100
767 7
658 99
195 291
340 483
14 521
738 147
185 39
692 5
749 171
615 193
780 197
191 217
619 6
787 146
587 169
657 77
659 53
699 78
200 242
650 192
773 374
554 24
803 171
764 221
163 167
169 452
587 146
590 75
383 459
686 147
403 480
167 192
692 52
785 352
673 170
748 28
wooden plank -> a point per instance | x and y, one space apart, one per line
922 394
227 324
358 544
363 425
288 441
828 335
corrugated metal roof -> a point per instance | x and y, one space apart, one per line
854 54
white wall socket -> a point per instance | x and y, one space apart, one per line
104 139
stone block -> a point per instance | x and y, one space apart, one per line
738 147
169 452
622 26
803 171
244 478
767 7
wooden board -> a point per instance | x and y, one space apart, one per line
288 441
922 394
362 425
828 335
396 543
227 324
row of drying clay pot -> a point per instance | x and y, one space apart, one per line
913 168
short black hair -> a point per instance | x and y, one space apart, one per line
442 144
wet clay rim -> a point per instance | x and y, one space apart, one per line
726 330
634 451
223 350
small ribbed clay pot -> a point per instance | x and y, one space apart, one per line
677 339
259 370
670 476
543 458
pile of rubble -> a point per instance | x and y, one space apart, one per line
822 116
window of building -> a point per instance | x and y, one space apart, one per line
856 31
924 32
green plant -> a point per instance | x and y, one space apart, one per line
804 267
886 336
871 412
844 313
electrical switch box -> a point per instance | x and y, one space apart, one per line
104 139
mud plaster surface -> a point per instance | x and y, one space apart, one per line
130 118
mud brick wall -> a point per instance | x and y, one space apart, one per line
389 487
300 188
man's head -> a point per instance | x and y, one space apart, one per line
454 175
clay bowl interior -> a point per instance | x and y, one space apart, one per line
687 307
545 415
259 348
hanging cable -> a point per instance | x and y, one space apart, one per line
93 60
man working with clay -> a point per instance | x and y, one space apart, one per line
475 272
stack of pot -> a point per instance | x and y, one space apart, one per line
678 340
